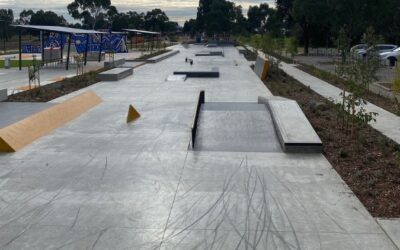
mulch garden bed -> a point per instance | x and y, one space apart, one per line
54 90
380 101
250 55
370 165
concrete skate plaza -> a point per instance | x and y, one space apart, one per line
98 182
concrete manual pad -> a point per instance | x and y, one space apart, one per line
176 78
11 112
293 128
235 127
115 74
210 53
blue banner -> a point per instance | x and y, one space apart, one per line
114 42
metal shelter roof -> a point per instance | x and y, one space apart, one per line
143 31
60 29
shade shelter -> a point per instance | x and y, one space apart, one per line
63 31
144 32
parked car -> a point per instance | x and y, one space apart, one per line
357 48
391 57
380 48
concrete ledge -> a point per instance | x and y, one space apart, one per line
115 63
295 133
161 57
3 94
17 135
261 68
210 53
213 73
115 74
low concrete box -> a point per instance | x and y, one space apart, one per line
94 56
3 95
261 68
241 49
213 73
115 74
115 63
294 131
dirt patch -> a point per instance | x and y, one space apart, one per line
369 96
54 90
369 165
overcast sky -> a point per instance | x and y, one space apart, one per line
177 10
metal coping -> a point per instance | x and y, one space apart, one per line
60 29
142 31
200 101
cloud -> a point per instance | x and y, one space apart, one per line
177 10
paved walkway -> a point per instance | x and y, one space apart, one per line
386 122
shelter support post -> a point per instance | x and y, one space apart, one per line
69 50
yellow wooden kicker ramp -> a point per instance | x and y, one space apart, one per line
17 135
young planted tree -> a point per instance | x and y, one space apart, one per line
396 88
292 45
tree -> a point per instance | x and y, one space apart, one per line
202 11
314 19
47 18
283 9
90 11
257 17
190 27
220 18
156 20
6 16
25 16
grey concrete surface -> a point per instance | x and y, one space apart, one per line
236 127
99 183
11 112
294 131
392 228
386 122
115 74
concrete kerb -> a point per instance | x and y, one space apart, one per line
3 94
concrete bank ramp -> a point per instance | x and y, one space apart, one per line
41 120
236 127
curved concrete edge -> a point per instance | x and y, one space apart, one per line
24 132
161 57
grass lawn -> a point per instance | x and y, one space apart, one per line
15 63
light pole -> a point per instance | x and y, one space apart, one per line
4 35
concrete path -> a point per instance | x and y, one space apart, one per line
386 122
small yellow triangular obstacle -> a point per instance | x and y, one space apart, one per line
132 114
